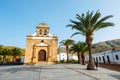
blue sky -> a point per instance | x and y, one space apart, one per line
19 18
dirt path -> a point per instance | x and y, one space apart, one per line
115 67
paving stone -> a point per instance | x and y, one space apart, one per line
56 72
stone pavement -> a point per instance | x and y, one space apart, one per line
56 72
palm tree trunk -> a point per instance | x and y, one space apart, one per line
14 58
79 58
4 57
83 58
67 54
90 65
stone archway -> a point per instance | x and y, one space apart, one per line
42 55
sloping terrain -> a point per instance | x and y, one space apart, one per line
106 46
10 47
101 46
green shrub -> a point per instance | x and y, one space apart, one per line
0 58
73 61
7 60
62 61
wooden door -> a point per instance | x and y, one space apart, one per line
42 55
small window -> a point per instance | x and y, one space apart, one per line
40 32
100 58
96 59
116 56
45 32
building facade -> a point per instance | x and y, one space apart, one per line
107 57
41 46
63 56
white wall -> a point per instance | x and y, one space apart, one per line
73 57
109 57
22 59
115 54
63 56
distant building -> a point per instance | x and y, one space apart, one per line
22 59
107 57
41 46
63 56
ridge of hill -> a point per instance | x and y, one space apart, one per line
10 47
106 46
102 46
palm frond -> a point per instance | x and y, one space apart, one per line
104 18
79 47
69 25
76 33
74 22
95 18
105 24
89 22
80 18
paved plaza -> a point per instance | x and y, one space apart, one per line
55 72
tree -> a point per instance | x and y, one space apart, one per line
5 52
76 49
15 52
1 46
84 49
67 43
80 48
87 25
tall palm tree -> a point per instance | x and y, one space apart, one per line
80 48
67 43
87 25
15 52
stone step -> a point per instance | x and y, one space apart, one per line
44 62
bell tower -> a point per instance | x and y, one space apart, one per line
41 46
42 30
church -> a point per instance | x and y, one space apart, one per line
41 46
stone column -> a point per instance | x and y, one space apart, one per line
49 54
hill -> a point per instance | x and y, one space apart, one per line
102 46
10 47
106 46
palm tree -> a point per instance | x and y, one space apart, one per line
76 49
67 43
79 48
1 48
15 52
5 52
84 49
87 25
